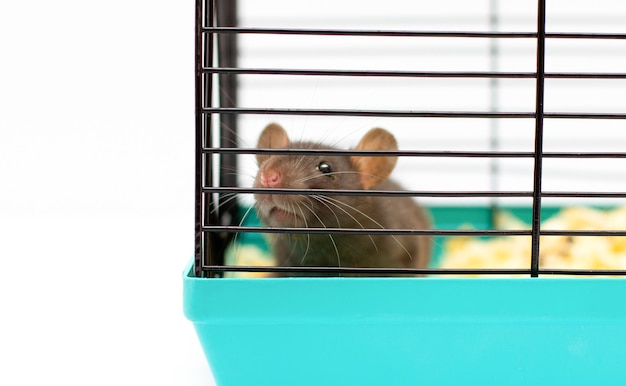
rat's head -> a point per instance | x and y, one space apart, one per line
317 172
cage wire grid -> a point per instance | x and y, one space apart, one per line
216 73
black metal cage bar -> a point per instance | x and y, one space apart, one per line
199 143
216 137
539 97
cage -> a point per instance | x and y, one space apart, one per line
539 322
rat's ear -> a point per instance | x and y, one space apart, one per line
374 170
272 137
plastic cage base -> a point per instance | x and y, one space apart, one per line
397 331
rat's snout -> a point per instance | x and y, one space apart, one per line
270 179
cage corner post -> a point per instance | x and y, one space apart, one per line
198 126
209 245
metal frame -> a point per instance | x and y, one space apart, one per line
216 26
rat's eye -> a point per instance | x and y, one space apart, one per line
325 168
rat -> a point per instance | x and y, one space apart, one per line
326 211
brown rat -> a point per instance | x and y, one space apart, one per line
323 211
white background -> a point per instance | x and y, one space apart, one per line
96 157
96 193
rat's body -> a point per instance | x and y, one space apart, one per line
326 211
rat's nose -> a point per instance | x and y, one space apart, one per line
270 179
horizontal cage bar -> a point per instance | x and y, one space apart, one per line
410 74
385 271
368 192
367 113
373 153
406 113
365 32
413 153
583 272
406 33
417 271
408 232
411 193
364 231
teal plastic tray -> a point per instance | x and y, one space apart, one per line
405 331
370 331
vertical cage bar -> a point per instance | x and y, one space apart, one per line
540 88
227 57
213 244
206 244
197 261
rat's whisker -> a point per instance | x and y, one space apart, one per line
229 197
308 236
236 249
374 221
324 200
332 240
321 201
